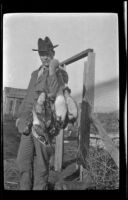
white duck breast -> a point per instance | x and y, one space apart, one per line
35 119
72 107
60 107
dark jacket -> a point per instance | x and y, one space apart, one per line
35 86
24 113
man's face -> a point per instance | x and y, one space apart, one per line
45 58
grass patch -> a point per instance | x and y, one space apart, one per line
11 138
103 169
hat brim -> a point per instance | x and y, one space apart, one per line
46 50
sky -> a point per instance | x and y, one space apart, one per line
74 33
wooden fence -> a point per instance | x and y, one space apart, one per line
86 115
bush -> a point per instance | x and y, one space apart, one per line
103 170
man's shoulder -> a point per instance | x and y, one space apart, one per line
35 71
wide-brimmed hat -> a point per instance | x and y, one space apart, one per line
45 45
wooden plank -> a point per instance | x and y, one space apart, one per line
87 99
59 148
97 136
76 57
89 80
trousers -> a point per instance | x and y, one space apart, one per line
33 162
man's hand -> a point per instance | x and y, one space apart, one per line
26 130
54 64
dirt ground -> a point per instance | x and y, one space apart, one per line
56 179
67 179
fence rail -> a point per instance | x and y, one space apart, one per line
113 136
76 57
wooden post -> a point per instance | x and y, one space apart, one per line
14 107
7 105
59 148
88 88
87 99
78 135
89 79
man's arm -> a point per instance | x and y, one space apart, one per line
62 75
27 103
25 110
57 81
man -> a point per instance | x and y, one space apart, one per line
41 81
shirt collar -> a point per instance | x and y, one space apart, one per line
42 68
